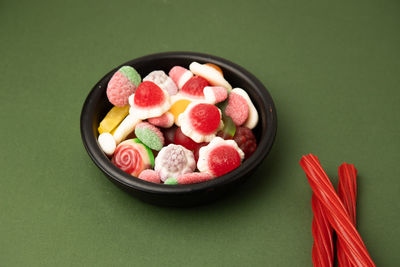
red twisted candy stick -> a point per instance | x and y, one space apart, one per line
347 192
322 251
354 247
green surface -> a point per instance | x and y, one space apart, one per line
332 67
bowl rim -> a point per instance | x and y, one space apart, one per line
104 163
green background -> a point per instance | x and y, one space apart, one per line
332 67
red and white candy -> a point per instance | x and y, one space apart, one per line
219 157
237 108
149 101
252 118
215 94
213 76
163 81
180 75
201 121
166 120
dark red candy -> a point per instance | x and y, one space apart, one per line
194 86
148 94
183 140
246 141
169 135
197 150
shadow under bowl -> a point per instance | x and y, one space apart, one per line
96 107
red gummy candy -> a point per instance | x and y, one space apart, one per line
245 140
223 159
148 94
195 86
169 135
205 118
183 140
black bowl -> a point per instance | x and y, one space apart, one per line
96 106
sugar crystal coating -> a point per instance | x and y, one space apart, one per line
174 160
163 81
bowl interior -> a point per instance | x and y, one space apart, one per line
97 106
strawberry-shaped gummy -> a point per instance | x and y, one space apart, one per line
246 141
194 87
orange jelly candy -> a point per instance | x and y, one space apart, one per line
179 107
215 67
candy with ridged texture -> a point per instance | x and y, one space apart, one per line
180 75
150 135
133 157
213 76
113 118
160 78
121 85
174 160
149 101
166 120
219 157
246 141
201 122
150 175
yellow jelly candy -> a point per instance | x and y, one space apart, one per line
179 107
113 118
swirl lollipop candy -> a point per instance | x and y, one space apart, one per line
133 157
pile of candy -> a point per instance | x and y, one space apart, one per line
186 127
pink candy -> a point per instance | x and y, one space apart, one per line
166 120
194 177
180 75
237 108
215 94
150 175
119 89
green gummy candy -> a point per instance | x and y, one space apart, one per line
149 138
229 126
131 74
171 181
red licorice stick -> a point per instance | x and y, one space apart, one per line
322 251
347 192
354 247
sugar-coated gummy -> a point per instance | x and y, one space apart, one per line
150 175
150 135
174 160
163 81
